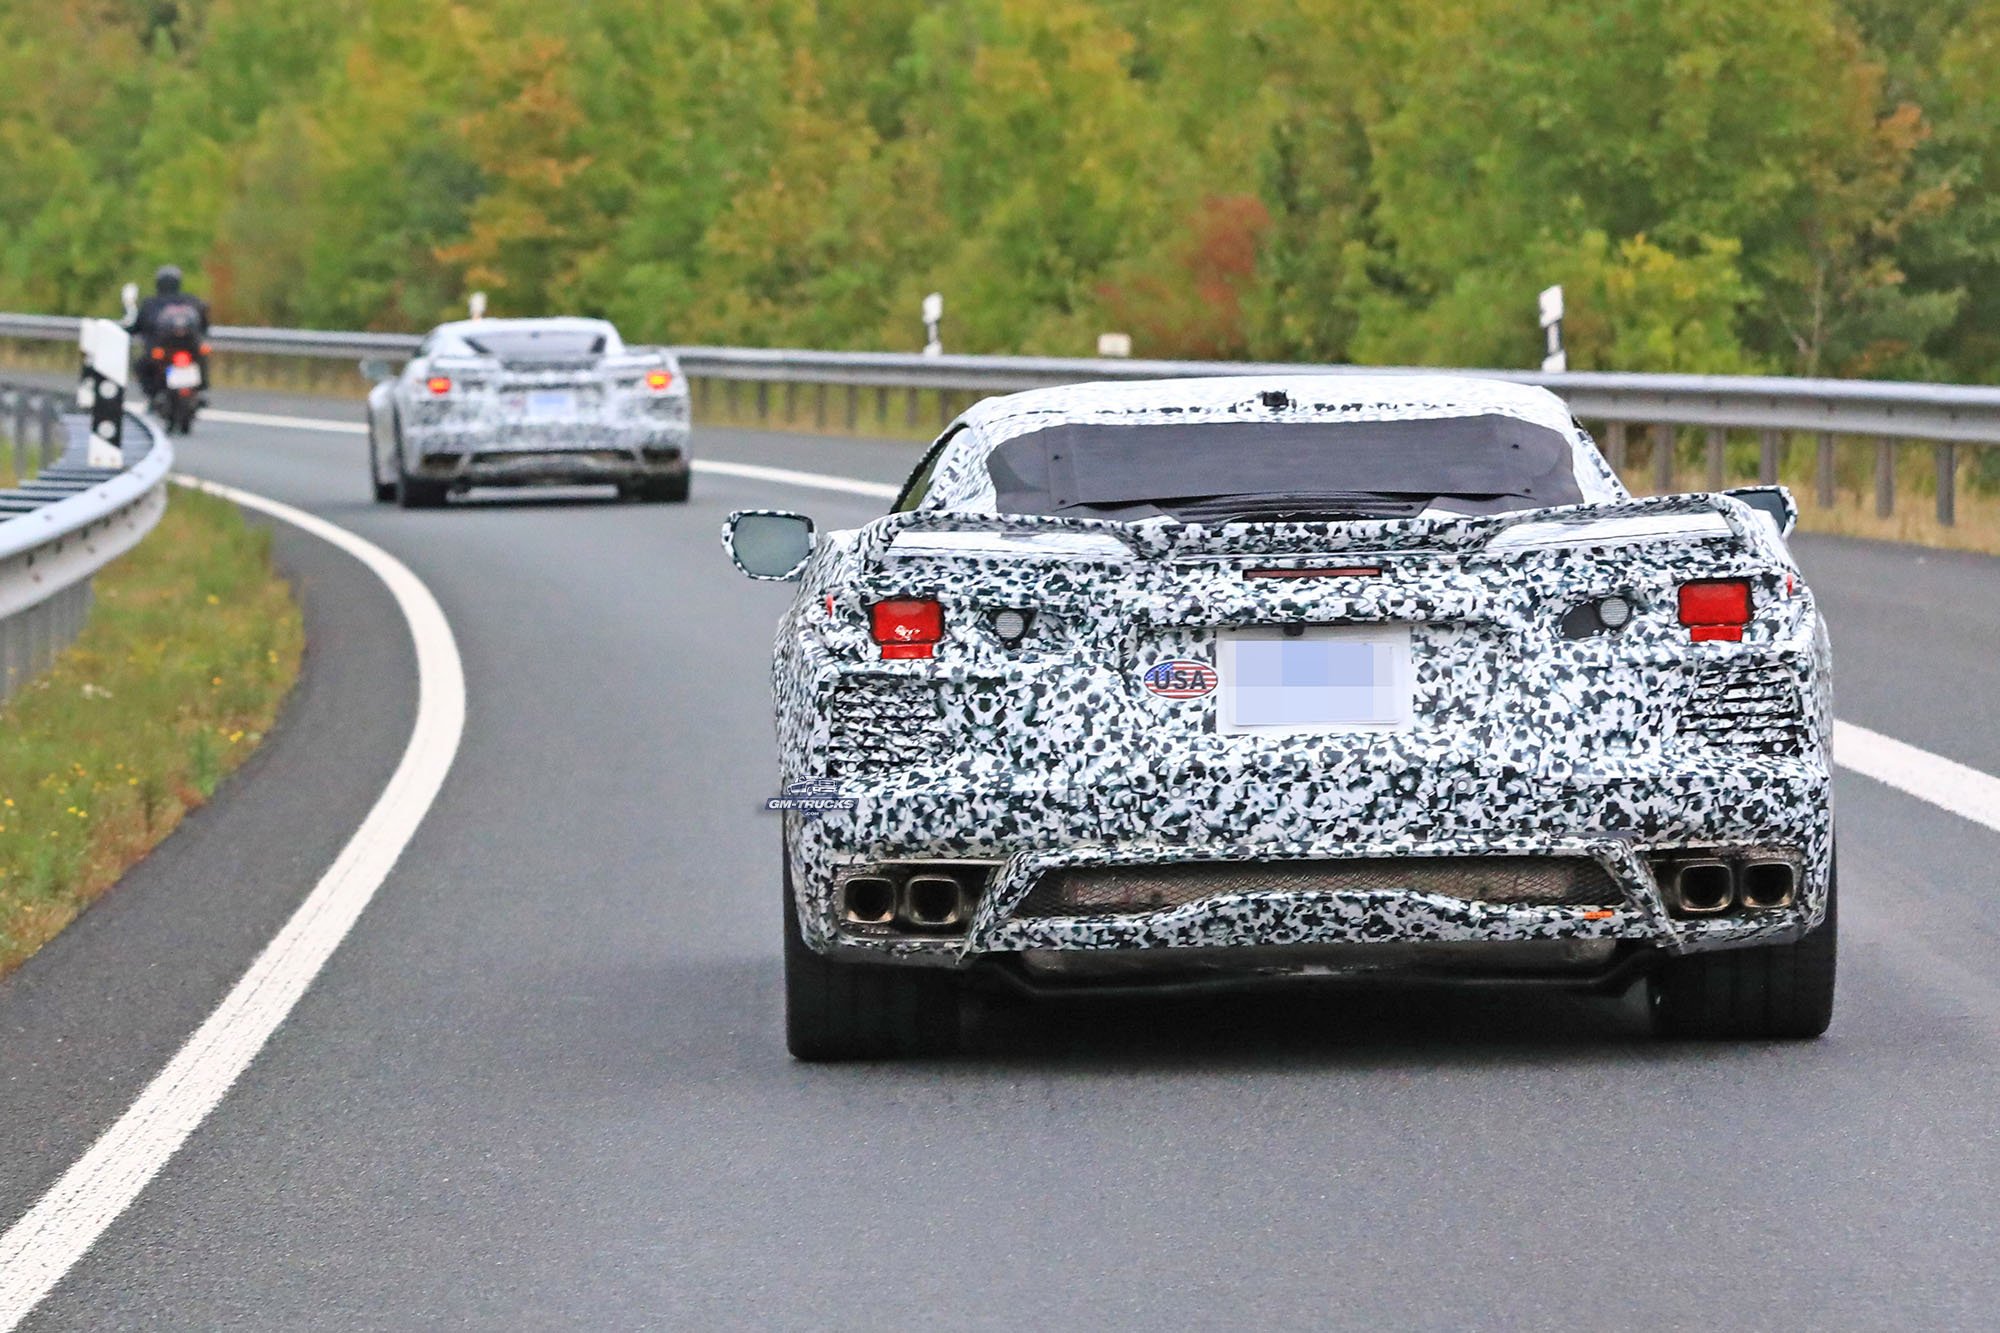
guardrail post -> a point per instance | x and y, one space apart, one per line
1718 442
1947 483
702 391
946 398
910 409
1885 477
882 406
729 399
763 401
819 407
1663 458
20 433
1767 458
791 401
52 441
1824 471
1614 444
853 408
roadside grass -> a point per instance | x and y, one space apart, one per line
192 645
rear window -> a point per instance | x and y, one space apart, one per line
1268 470
538 344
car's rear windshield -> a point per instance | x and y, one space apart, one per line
1267 470
538 344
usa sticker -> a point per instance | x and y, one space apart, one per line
1180 679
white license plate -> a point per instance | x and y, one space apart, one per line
1319 679
183 377
545 404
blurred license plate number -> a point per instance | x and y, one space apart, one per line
546 403
1327 678
183 377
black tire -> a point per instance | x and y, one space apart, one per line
384 491
667 490
838 1010
1772 992
417 493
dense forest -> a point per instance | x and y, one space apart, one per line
1794 186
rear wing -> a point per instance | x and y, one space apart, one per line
1666 518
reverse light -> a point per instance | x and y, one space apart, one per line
659 381
907 628
438 384
1715 610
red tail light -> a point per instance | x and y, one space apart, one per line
659 381
183 358
438 384
907 628
1715 609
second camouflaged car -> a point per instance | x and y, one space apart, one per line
522 402
1218 681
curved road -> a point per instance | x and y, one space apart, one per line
543 1083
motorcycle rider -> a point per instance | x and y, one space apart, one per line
153 312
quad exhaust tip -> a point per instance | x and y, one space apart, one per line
1704 888
930 898
1711 885
933 902
1768 884
868 900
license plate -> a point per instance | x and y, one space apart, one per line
183 377
544 404
1318 679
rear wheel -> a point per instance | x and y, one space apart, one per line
418 492
385 491
1772 991
657 490
837 1010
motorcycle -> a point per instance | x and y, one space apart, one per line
179 359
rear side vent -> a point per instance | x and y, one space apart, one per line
1753 704
878 722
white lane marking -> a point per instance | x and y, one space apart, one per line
1945 783
67 1220
784 476
1942 782
874 490
285 423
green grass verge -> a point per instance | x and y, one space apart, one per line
190 651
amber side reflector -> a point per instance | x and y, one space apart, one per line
1341 572
1599 915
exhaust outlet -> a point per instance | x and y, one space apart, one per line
932 902
1768 884
1703 888
868 900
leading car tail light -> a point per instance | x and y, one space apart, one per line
907 628
1715 609
438 384
659 381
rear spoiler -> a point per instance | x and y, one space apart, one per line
1677 518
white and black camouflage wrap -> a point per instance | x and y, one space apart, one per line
1620 748
504 420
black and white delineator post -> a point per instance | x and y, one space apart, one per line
933 318
1556 359
107 362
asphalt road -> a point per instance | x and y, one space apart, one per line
543 1083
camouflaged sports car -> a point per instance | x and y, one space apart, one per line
521 402
1222 681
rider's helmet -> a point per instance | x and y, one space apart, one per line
167 282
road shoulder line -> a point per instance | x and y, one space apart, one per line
48 1240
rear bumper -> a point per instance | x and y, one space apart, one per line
481 454
1627 820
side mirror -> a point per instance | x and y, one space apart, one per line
1774 502
375 370
770 544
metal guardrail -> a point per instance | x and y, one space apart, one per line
1891 415
66 522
